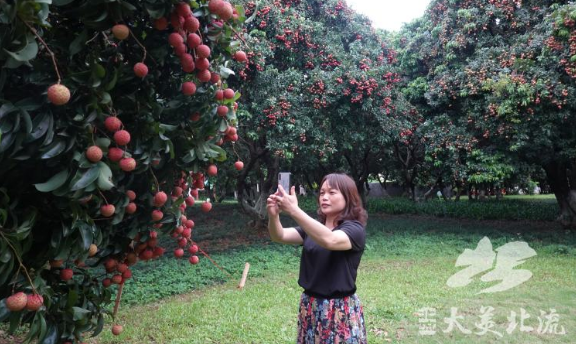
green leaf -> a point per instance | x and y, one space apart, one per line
54 149
79 313
53 183
4 312
27 53
88 178
87 233
105 177
78 43
51 332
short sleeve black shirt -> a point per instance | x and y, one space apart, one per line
331 274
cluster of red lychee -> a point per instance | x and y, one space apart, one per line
20 301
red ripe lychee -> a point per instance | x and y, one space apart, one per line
187 233
92 250
186 59
203 51
233 138
212 170
106 282
131 195
203 64
140 69
206 206
94 154
240 56
127 164
126 275
107 210
160 199
146 255
191 24
110 265
194 260
121 267
183 9
188 88
219 95
153 234
122 137
58 94
180 49
161 24
195 117
230 130
157 215
117 329
117 279
214 78
131 258
189 201
176 20
226 12
115 154
120 31
178 252
175 39
215 6
204 75
194 193
66 274
34 303
222 110
193 40
17 302
158 251
130 208
239 165
182 242
56 263
177 192
193 249
179 230
229 93
189 223
112 124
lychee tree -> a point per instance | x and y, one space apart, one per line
110 122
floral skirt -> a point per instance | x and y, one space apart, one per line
331 321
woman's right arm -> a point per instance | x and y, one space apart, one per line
278 233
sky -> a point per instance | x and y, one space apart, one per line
390 14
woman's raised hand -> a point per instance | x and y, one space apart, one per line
272 205
287 202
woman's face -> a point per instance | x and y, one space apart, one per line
331 200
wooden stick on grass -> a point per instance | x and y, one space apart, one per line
244 275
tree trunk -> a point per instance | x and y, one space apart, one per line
560 180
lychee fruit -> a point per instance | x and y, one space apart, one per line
16 302
161 24
178 252
127 164
94 154
117 329
131 195
58 94
193 249
195 117
229 93
115 154
193 40
215 6
212 170
122 137
203 64
34 303
214 78
157 215
240 56
194 260
106 282
188 88
203 51
112 124
107 210
160 199
206 206
222 110
130 208
120 31
191 24
219 95
175 39
239 165
92 250
66 274
189 201
204 75
140 69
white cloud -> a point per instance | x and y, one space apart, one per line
390 14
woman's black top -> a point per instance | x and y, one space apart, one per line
331 274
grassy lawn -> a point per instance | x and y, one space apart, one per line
405 268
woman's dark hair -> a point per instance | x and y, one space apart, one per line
353 209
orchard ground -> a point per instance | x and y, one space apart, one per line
407 262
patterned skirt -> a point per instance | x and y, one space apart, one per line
331 321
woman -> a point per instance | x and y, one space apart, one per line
330 312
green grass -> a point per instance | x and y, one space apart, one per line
407 262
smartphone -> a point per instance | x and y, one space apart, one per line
284 180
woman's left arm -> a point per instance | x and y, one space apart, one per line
331 240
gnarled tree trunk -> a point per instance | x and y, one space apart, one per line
562 179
